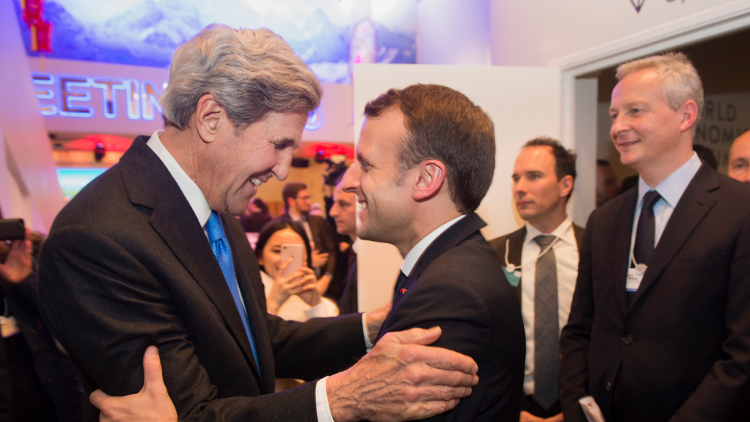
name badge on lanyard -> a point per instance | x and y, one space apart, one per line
635 276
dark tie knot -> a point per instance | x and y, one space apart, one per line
650 199
544 240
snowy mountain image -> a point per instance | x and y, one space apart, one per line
147 32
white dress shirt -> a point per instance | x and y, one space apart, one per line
671 190
566 260
306 226
202 212
411 258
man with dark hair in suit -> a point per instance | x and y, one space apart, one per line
425 160
344 214
541 263
149 253
659 328
319 232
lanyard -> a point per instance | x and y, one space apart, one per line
511 268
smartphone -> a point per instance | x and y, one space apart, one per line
295 252
12 229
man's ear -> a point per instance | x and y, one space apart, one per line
209 118
429 179
689 115
566 185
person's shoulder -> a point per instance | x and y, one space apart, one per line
732 188
97 200
472 262
499 242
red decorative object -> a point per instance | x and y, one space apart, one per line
32 12
108 142
328 150
44 37
41 30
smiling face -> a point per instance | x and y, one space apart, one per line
271 257
239 163
385 205
538 194
645 130
344 212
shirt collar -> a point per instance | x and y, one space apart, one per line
672 188
564 232
355 246
192 192
411 258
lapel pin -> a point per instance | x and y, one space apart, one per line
403 291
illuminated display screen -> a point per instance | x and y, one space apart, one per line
70 96
146 32
73 179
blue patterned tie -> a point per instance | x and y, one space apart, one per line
221 250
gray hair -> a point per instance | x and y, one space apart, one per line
250 72
680 80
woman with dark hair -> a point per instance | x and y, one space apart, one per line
296 296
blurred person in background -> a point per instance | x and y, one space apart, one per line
297 206
293 297
739 158
296 296
343 289
256 216
41 384
606 183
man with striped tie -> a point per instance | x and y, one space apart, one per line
540 261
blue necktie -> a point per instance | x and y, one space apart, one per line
221 250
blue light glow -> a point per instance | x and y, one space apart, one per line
73 179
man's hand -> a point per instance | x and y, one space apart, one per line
375 320
152 403
19 264
402 379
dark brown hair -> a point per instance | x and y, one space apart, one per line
443 124
291 190
565 159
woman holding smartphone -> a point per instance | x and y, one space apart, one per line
291 293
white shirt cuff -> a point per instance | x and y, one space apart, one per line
368 343
321 402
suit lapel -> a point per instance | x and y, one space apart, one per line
693 206
515 252
447 240
149 184
248 275
619 238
